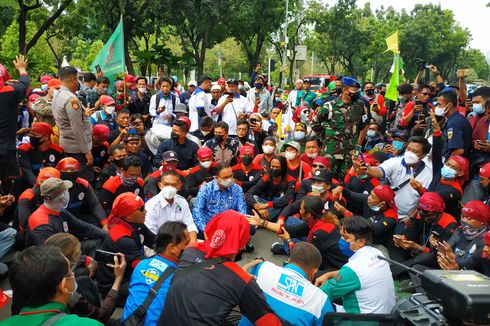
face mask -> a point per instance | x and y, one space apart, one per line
71 176
364 176
369 92
247 160
110 109
470 232
290 156
275 173
478 108
169 192
299 135
118 163
44 87
383 93
75 286
205 133
227 183
128 181
411 158
344 248
312 155
447 172
398 145
371 133
206 164
338 90
316 188
268 149
66 199
258 85
142 89
35 141
354 96
174 135
218 138
103 90
376 208
440 112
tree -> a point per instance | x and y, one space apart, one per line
476 60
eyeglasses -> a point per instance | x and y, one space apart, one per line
319 166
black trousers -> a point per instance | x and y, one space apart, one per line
86 171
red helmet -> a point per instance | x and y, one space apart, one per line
68 163
4 75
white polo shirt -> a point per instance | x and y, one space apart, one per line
159 211
159 119
396 172
198 99
232 110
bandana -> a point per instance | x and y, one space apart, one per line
124 205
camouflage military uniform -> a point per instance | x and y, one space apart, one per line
339 124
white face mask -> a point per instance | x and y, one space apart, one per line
268 149
110 109
66 199
411 158
226 183
440 112
312 155
290 156
169 192
206 164
205 133
142 89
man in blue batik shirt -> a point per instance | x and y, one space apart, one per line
217 196
172 239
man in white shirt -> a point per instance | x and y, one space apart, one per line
169 206
199 102
233 107
162 104
293 95
399 171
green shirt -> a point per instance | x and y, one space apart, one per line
39 315
309 97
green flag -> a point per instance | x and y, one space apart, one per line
391 92
111 57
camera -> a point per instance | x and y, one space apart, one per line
421 64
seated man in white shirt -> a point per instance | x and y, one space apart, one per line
169 206
233 107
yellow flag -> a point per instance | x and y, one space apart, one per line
392 43
279 124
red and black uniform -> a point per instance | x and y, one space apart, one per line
31 160
114 187
221 288
29 201
44 222
100 154
84 204
247 179
151 184
277 195
262 161
302 171
127 239
197 176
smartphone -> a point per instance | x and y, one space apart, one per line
362 158
441 248
104 256
97 68
257 95
398 236
421 117
417 102
436 235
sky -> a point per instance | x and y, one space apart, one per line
472 14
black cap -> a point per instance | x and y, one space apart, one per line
203 78
323 175
170 156
232 81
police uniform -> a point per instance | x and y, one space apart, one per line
75 128
458 135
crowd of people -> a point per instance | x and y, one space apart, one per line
146 196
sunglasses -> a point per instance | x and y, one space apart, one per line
319 166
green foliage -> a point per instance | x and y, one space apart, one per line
476 61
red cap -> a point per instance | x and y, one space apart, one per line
68 163
431 202
386 194
4 75
101 132
464 165
129 79
41 128
246 150
486 238
124 205
33 97
186 120
221 81
323 160
107 100
485 170
46 173
477 210
45 79
204 152
54 83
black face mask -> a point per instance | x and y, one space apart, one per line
354 96
338 90
219 138
35 141
369 92
258 85
383 93
174 135
275 173
247 160
70 176
118 163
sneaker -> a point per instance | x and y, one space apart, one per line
249 247
277 248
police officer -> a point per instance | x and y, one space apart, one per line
74 125
340 122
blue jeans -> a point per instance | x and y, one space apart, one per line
7 240
292 222
273 212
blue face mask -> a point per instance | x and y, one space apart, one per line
344 248
447 172
398 145
478 108
371 133
299 135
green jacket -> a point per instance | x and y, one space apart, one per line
39 315
309 97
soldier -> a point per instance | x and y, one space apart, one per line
340 123
74 124
42 106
